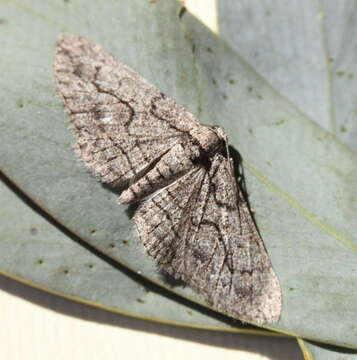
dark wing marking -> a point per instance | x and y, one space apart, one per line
121 121
199 229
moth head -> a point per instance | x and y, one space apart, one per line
220 132
210 138
222 135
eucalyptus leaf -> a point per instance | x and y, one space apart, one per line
301 181
306 50
36 252
316 351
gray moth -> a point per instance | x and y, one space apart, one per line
193 219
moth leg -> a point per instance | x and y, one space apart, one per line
172 165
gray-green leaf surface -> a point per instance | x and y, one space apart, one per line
301 181
306 50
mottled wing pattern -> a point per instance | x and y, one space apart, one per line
199 229
121 121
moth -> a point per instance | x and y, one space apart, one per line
193 219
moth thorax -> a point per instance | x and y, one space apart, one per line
210 138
